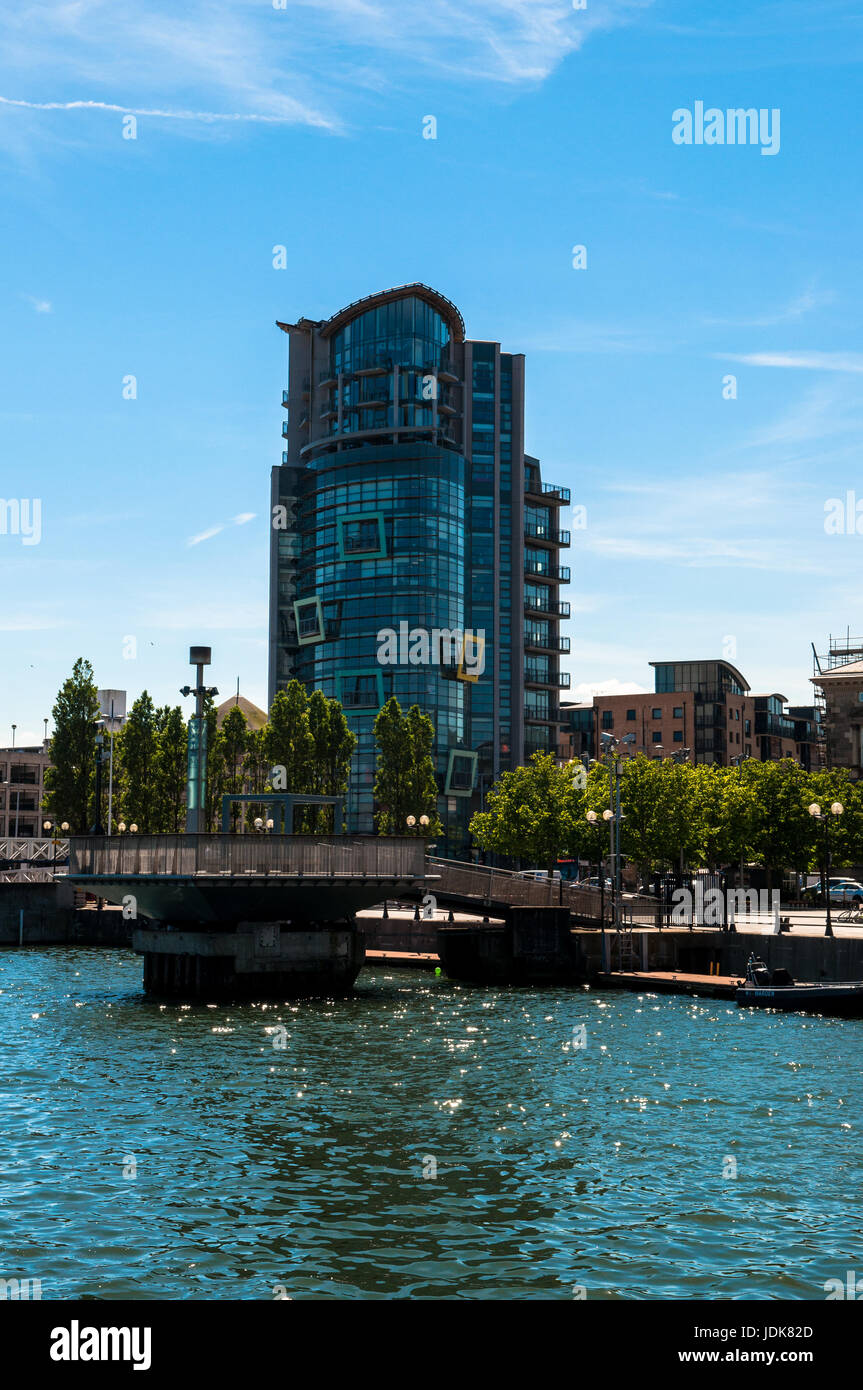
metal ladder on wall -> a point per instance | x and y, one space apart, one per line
627 956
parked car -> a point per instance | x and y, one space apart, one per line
539 875
843 891
593 883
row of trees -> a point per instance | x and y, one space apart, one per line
673 814
305 747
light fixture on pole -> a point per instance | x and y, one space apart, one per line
97 828
816 813
196 776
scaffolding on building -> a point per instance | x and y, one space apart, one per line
841 651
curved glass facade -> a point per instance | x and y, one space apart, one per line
380 542
380 366
406 333
409 508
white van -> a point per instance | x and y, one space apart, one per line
539 875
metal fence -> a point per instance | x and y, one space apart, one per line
28 850
28 875
504 885
184 856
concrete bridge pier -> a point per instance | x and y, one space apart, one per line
250 959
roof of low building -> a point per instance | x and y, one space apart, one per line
850 669
255 717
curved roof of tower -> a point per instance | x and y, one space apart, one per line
417 290
710 661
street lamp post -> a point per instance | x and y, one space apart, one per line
816 813
614 817
592 818
196 778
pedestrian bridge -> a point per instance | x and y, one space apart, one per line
250 878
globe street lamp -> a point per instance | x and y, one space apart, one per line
593 821
816 813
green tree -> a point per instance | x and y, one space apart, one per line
825 788
216 767
257 772
533 813
137 752
783 832
234 743
288 740
170 769
333 743
404 779
68 781
726 807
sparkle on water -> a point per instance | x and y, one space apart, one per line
422 1139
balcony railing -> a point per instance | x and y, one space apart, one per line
549 714
374 367
537 674
554 490
538 532
557 608
533 642
542 571
284 429
563 680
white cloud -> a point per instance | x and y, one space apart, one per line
42 306
243 517
804 303
806 361
204 116
224 62
205 535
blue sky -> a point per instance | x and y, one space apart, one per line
302 127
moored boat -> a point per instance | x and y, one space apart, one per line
777 990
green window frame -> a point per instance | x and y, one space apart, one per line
319 635
350 551
460 755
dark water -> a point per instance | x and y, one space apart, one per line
606 1166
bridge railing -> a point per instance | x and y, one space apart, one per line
24 849
184 856
506 885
